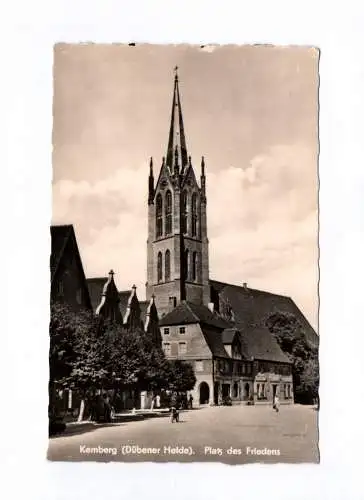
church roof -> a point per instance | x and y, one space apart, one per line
252 307
188 312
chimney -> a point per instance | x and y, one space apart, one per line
245 285
211 306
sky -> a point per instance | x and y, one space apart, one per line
251 111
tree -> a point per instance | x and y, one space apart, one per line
74 352
180 376
291 338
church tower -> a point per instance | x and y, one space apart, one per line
177 245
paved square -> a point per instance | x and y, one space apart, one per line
234 435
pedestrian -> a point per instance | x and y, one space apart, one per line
158 401
276 403
107 408
190 401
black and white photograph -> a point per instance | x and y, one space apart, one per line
184 254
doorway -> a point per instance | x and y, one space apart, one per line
204 393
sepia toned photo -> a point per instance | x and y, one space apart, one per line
184 254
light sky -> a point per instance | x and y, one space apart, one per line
252 111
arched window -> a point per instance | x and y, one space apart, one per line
159 268
194 214
159 216
167 266
194 266
168 213
184 212
186 266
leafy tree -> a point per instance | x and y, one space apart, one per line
87 354
180 376
290 336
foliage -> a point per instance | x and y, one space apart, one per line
303 354
87 354
180 376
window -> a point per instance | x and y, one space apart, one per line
167 266
182 348
194 214
182 329
168 212
166 331
159 216
167 348
184 212
159 267
194 266
198 366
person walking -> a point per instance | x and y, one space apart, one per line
190 401
276 403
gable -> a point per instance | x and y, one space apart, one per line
66 264
189 179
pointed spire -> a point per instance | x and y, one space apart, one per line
151 183
132 319
203 179
176 132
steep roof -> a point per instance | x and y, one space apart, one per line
259 343
124 297
187 313
59 238
214 341
62 237
251 307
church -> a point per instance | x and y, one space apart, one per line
217 327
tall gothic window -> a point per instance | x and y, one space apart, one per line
194 266
167 266
186 266
168 209
184 212
159 216
194 214
159 268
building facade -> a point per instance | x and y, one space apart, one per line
225 339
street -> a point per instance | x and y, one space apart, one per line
233 435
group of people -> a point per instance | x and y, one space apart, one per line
101 409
